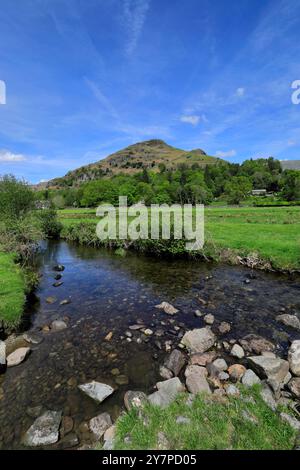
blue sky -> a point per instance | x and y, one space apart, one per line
85 78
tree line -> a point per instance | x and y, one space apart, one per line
228 182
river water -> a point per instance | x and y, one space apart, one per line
108 293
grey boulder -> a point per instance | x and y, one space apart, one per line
272 368
100 424
294 357
96 390
199 340
175 362
44 431
289 320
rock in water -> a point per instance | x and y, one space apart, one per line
294 357
175 362
289 320
209 319
224 327
272 368
58 325
33 338
134 399
100 424
59 267
199 340
96 390
18 356
2 355
44 431
256 344
167 308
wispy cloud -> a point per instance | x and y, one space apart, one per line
10 157
240 91
192 119
134 12
226 154
103 100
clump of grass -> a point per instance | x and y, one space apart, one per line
12 291
238 423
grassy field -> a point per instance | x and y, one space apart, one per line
211 423
273 233
12 291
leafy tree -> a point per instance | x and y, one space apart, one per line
291 185
16 198
237 189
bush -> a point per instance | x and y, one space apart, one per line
50 226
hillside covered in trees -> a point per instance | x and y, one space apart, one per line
154 172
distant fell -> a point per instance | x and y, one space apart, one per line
150 154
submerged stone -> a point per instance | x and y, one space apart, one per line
44 431
96 390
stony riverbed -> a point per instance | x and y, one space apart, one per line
97 320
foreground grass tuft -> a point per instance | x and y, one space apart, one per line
12 291
214 424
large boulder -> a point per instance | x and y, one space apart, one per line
18 356
96 390
198 340
250 378
256 344
167 392
175 362
196 379
100 424
289 320
294 357
44 431
268 397
203 359
294 386
272 368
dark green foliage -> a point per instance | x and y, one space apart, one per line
50 226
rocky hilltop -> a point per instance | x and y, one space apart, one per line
150 154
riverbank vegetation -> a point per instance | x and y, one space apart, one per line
205 423
21 228
269 237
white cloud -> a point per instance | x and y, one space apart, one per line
224 154
240 91
7 156
135 12
192 119
291 143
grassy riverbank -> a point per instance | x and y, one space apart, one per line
210 423
272 233
12 291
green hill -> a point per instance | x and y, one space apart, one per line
149 154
